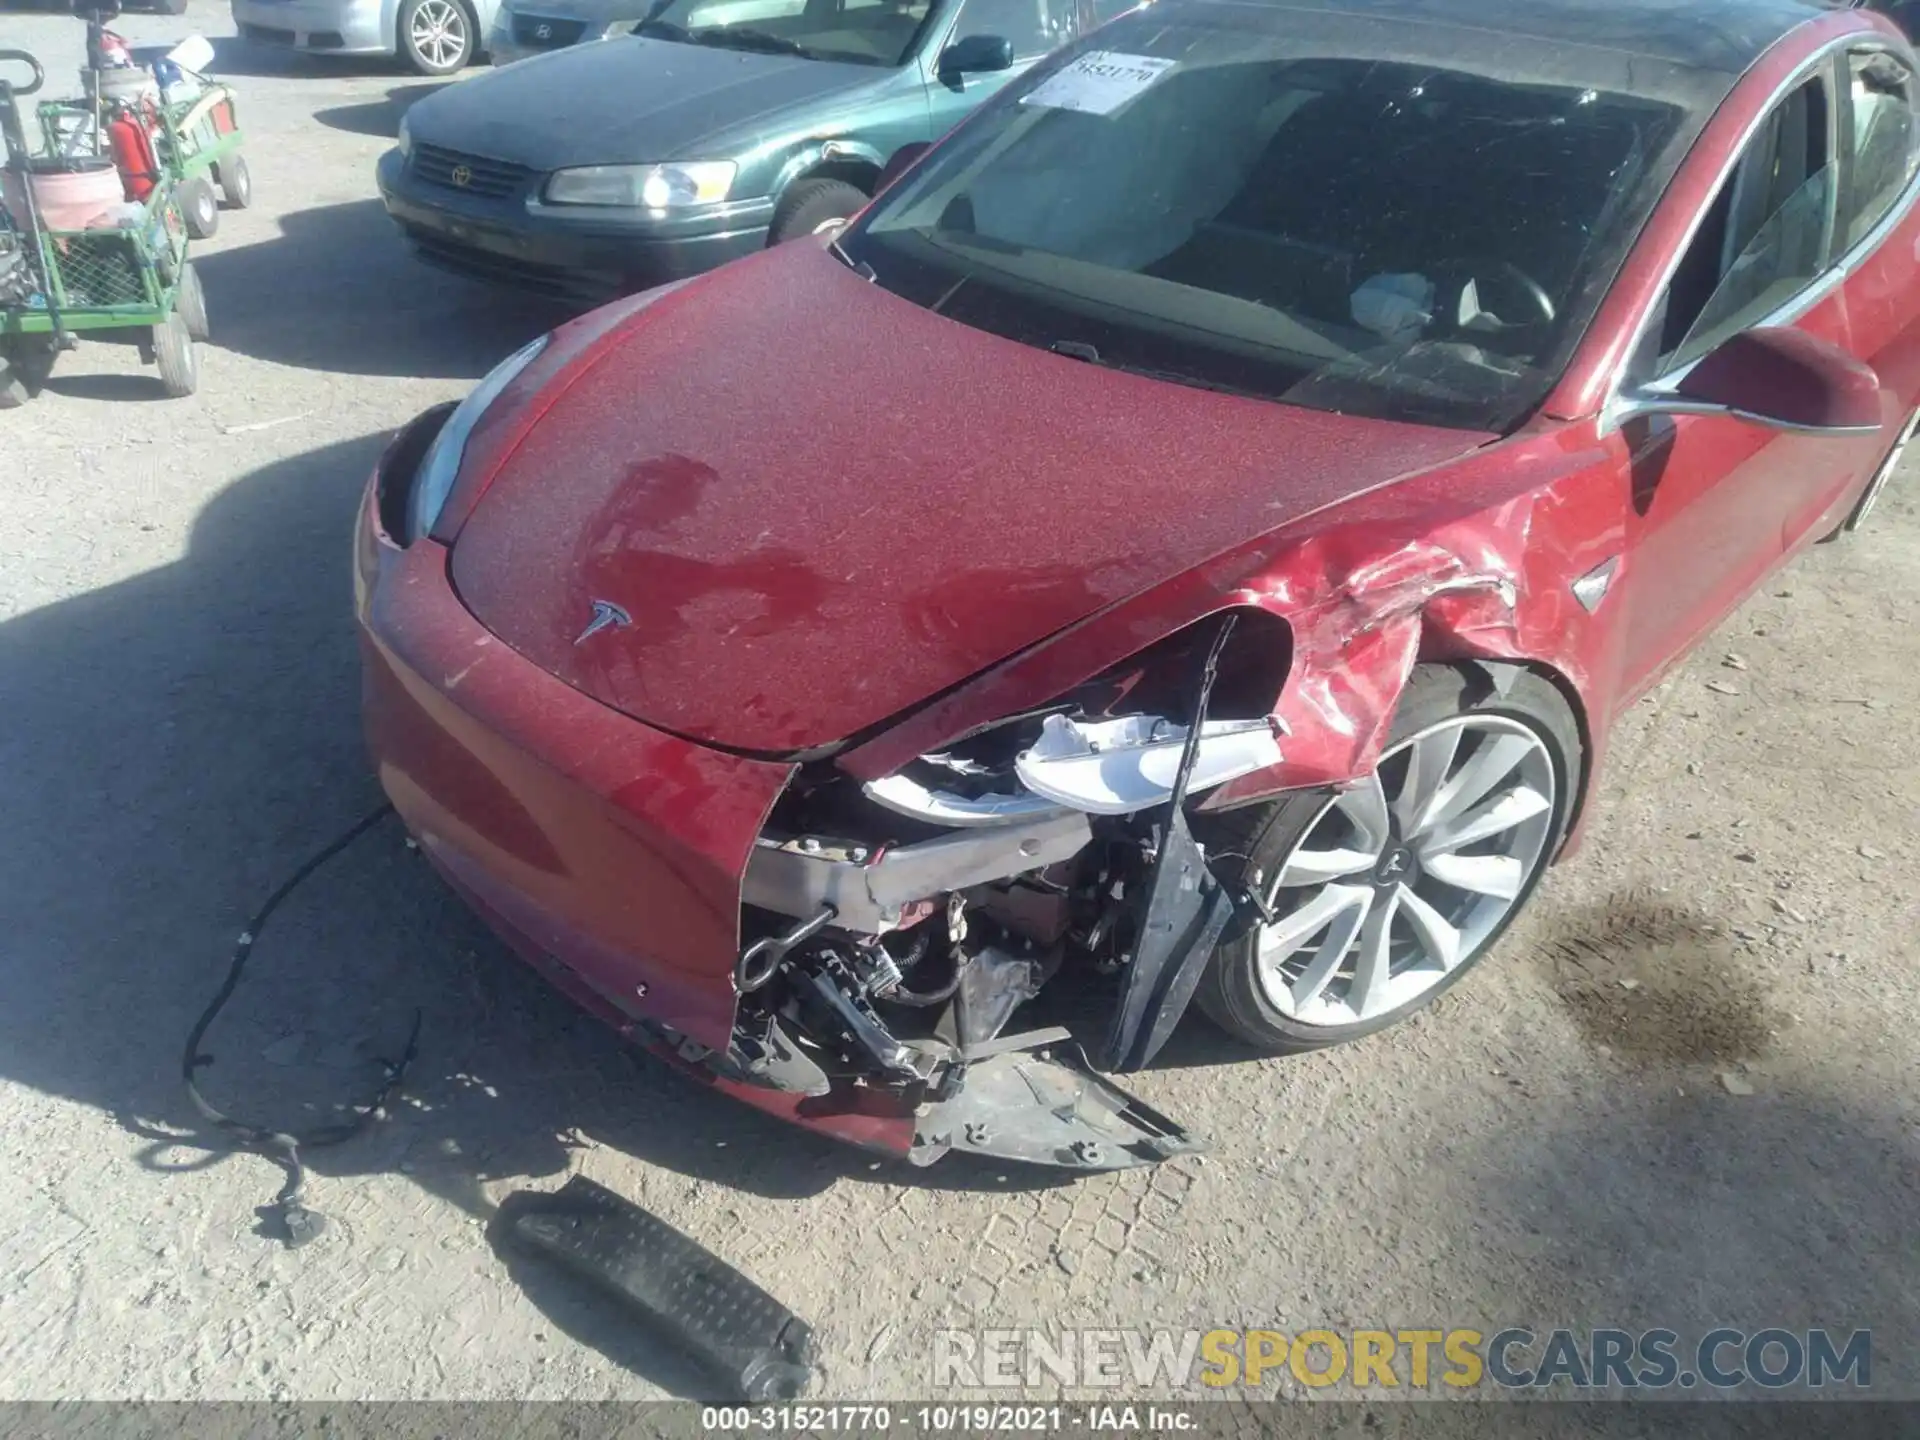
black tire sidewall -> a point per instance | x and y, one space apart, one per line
418 62
809 204
1230 993
191 303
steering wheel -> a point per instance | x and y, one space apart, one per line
21 57
1498 281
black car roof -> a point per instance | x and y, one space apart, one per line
1722 36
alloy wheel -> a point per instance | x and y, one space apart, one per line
439 32
1401 880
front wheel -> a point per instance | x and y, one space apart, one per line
811 206
1385 894
436 36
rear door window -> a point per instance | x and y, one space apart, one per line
1877 141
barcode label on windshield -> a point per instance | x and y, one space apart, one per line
1098 83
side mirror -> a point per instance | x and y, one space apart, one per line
1782 378
976 54
899 161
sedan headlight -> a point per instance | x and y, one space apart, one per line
405 138
654 187
435 480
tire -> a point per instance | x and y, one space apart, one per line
809 205
25 365
190 303
1439 701
173 352
13 388
236 181
200 206
436 37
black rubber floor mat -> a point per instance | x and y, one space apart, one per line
731 1327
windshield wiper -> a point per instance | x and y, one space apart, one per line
734 37
1090 354
661 30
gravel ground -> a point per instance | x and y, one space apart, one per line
1683 1093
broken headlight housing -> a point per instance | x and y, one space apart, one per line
1112 745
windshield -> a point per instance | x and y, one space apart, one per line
858 32
1206 194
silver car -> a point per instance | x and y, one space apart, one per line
532 27
434 37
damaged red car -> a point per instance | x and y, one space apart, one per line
1187 541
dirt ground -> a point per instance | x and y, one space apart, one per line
1682 1094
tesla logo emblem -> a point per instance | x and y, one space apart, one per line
543 32
606 616
1394 865
461 176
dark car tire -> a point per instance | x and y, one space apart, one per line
809 205
458 19
1230 993
200 206
191 303
173 352
236 181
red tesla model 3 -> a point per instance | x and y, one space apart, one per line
1187 541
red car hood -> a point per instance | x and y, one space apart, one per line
819 504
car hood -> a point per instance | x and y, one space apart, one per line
800 505
625 100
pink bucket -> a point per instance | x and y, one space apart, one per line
69 198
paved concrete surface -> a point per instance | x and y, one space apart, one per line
1550 1145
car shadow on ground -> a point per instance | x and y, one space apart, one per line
340 291
379 117
177 743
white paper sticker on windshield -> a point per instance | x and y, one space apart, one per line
1098 83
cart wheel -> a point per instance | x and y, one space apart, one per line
13 388
200 205
236 181
190 303
173 348
25 365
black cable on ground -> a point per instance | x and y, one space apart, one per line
301 1224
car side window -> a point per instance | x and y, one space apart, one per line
1034 26
1767 235
1877 150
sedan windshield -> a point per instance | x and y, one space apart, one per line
858 32
1397 221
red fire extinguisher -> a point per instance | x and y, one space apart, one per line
131 142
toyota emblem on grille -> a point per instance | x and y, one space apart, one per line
543 32
606 615
461 176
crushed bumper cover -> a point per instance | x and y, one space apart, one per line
614 858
